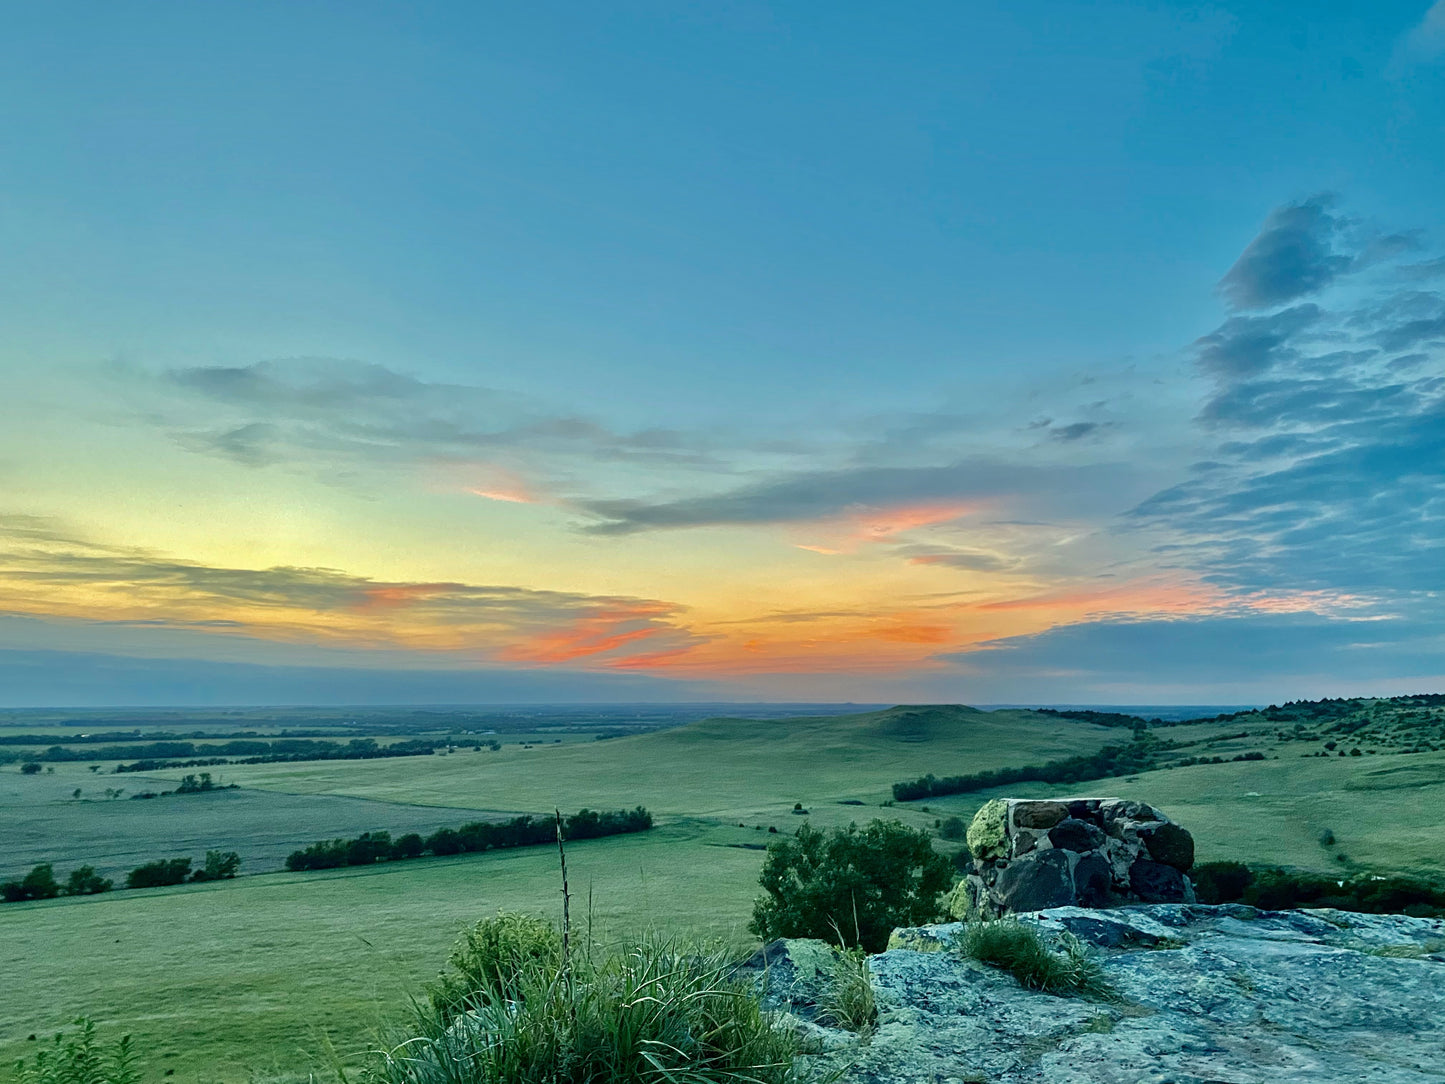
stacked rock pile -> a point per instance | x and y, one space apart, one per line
1031 854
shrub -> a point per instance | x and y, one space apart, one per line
30 768
490 959
219 866
849 885
1277 889
653 1012
79 1059
952 828
163 871
1070 970
1220 882
86 882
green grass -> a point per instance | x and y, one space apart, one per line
217 981
1070 970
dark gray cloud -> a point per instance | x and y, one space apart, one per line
1245 346
1292 256
820 494
1302 249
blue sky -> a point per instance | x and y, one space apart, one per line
757 350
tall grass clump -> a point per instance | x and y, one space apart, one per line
1071 970
80 1058
847 1000
513 1010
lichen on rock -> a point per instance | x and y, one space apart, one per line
987 831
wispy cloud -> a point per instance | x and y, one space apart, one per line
44 571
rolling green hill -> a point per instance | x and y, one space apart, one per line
727 769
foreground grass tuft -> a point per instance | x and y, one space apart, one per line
847 1000
650 1012
80 1059
1071 970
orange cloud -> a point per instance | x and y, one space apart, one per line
848 532
595 634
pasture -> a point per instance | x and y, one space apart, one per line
240 980
44 822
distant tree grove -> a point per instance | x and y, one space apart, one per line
370 847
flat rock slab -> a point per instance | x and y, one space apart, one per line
1208 995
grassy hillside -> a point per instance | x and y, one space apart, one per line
728 769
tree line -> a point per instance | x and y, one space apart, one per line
40 882
163 754
1139 755
525 831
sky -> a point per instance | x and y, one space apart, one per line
1014 352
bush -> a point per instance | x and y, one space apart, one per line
490 960
850 885
952 828
648 1013
1220 882
1275 889
163 871
1009 945
30 768
219 866
86 882
79 1059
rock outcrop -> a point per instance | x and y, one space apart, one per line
1088 852
1205 995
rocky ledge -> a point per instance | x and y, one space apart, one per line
1206 995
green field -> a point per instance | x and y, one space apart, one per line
236 980
727 769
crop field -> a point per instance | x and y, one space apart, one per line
44 822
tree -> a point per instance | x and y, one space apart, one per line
219 866
850 885
163 871
30 768
86 882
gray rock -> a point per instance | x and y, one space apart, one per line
1154 882
1036 881
1076 835
1207 995
1170 844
